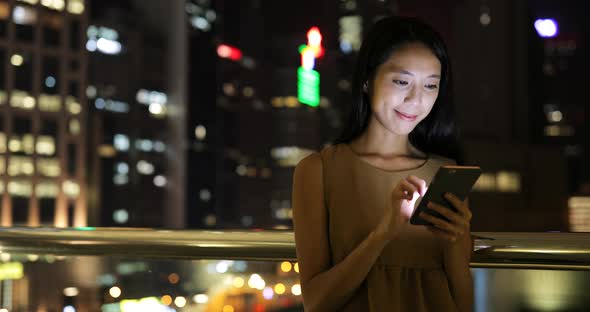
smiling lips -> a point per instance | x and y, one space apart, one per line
406 116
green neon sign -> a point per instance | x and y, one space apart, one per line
308 86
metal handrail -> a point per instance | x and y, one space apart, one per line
556 251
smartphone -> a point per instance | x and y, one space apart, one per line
458 180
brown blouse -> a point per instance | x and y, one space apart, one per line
408 275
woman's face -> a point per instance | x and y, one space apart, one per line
405 88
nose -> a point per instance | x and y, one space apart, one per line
413 96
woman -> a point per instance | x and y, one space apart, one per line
352 201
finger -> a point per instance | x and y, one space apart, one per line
443 234
419 183
408 189
461 206
441 224
449 214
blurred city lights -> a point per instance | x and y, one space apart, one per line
280 289
286 266
267 293
121 142
228 308
167 300
221 267
69 308
229 52
485 19
173 278
205 195
256 282
121 216
91 45
200 132
115 292
71 292
546 28
145 167
16 59
296 290
108 46
122 168
50 81
156 109
201 298
555 116
160 181
296 267
238 282
200 23
180 302
210 220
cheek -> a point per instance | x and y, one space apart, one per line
429 101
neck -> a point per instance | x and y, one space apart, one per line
380 141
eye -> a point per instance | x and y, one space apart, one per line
400 82
431 86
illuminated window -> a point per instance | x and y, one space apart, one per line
57 5
20 188
46 189
145 167
48 167
121 142
49 103
2 166
103 39
18 165
76 6
579 213
74 126
71 189
559 130
73 106
350 33
45 145
22 99
147 97
289 156
15 144
24 15
508 181
485 183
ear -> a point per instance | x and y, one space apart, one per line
366 87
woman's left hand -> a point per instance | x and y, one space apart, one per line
459 224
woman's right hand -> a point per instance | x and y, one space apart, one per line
403 199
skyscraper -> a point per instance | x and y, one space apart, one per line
42 113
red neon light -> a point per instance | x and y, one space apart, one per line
226 51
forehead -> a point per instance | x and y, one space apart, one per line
413 57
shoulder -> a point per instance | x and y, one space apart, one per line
310 163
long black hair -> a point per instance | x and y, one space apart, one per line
437 133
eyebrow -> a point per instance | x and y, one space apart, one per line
405 72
